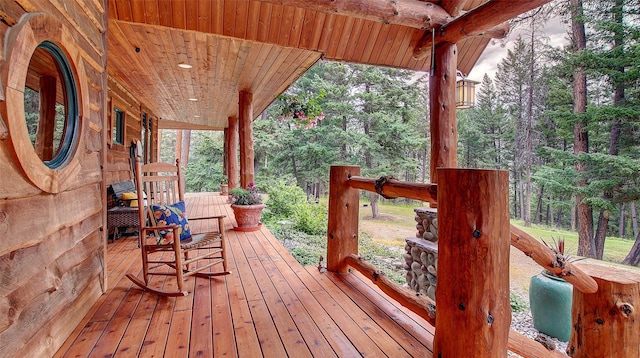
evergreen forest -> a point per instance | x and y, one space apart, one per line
563 120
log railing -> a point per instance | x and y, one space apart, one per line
474 239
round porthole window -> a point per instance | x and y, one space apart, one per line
51 105
46 101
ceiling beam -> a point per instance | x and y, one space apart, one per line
476 22
454 7
411 13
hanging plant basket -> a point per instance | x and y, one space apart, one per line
303 111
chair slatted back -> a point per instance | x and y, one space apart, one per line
161 182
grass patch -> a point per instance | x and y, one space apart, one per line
615 248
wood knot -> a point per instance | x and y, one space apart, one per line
380 183
625 308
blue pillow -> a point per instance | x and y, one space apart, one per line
171 214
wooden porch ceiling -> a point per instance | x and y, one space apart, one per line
269 306
260 46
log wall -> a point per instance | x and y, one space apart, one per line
52 246
118 166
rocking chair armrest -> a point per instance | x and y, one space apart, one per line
207 217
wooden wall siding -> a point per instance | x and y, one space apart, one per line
52 249
118 164
237 45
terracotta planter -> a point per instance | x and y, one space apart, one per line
224 189
247 217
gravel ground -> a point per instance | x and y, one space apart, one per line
523 322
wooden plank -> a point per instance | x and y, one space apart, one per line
264 22
363 332
310 332
114 330
266 330
296 276
203 22
253 20
292 340
276 18
286 25
223 332
242 12
178 338
201 343
416 334
296 27
217 17
350 39
229 17
336 35
155 343
378 45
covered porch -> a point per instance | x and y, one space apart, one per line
269 306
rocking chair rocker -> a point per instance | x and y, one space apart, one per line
166 244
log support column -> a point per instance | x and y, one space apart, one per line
231 146
247 174
342 228
442 99
47 123
606 323
473 311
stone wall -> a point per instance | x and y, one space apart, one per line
421 257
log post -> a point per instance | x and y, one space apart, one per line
47 114
473 310
246 138
342 228
606 323
442 97
232 153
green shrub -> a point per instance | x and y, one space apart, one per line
311 218
284 199
289 202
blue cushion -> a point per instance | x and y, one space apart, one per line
171 214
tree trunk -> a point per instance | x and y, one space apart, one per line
528 140
634 219
586 244
523 201
549 218
614 139
293 161
633 258
184 149
515 195
621 227
539 205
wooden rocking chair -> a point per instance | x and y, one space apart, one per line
162 225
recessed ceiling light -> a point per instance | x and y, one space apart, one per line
184 65
193 99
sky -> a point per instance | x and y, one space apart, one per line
555 30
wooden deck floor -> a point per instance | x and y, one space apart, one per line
270 306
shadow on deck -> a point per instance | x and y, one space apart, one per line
270 306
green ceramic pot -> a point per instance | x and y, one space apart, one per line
550 299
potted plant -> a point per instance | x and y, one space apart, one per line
224 185
247 207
